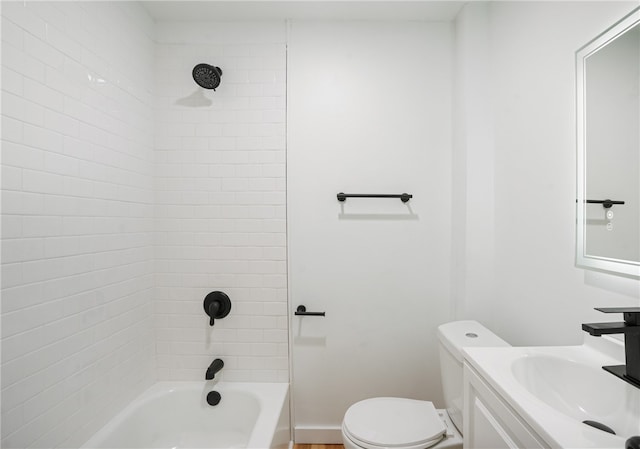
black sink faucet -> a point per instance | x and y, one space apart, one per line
630 372
215 366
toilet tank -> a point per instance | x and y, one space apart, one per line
452 337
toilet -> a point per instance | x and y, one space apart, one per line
400 423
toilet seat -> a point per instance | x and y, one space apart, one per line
393 423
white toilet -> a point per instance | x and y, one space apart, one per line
398 423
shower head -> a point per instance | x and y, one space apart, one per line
207 76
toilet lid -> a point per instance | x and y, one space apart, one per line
394 422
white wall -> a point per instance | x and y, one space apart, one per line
534 293
369 111
220 201
77 160
472 198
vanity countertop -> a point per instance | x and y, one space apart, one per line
554 389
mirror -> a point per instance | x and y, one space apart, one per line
608 137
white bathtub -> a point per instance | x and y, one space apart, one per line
176 415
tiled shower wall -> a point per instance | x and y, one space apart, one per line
111 234
77 217
220 201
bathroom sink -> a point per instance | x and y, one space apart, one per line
572 388
556 388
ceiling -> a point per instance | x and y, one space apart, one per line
230 10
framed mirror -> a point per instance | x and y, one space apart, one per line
608 138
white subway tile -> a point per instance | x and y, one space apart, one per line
22 203
194 170
276 336
266 129
58 39
42 182
12 129
42 138
43 52
13 58
180 129
20 250
96 63
273 116
13 106
209 130
251 90
273 171
39 93
264 349
61 123
223 171
12 81
194 144
23 17
235 185
11 178
110 126
12 34
11 226
11 277
274 90
59 81
275 309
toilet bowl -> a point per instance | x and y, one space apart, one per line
379 423
402 423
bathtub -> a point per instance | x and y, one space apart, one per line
176 415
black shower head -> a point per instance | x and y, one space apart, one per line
207 76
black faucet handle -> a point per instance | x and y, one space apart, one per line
631 314
217 305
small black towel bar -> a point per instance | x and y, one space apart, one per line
605 203
302 310
404 197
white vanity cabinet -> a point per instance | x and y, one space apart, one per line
489 423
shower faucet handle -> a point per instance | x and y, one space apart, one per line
217 305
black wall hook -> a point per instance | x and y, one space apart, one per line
217 305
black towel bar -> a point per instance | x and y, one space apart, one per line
404 197
605 203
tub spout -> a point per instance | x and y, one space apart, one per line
215 366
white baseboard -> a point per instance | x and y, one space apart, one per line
317 435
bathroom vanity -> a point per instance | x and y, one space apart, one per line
539 397
489 420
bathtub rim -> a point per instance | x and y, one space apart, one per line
272 399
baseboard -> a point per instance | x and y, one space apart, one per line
317 435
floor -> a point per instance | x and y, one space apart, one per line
318 446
